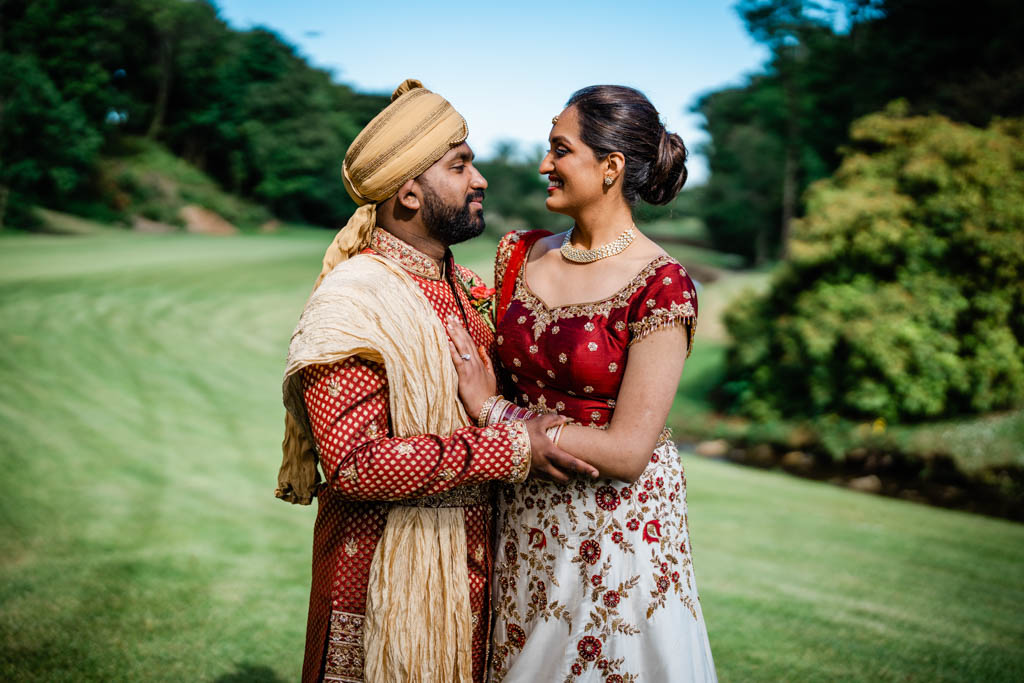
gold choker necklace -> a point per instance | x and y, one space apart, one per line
577 255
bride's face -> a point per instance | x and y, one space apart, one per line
575 175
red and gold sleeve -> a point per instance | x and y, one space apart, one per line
668 300
347 403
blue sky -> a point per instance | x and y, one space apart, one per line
508 68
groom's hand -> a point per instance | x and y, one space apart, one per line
548 460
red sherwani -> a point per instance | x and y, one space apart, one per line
366 467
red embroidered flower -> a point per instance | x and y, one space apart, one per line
616 537
595 580
602 664
682 547
589 648
510 551
481 292
614 678
611 598
577 669
554 530
541 503
607 498
664 567
516 635
648 485
633 524
528 502
675 577
654 457
627 494
652 531
672 496
504 584
663 584
660 482
642 496
537 539
590 551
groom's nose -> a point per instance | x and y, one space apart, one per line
477 181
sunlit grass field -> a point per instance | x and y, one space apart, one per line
140 423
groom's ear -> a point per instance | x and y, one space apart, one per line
409 195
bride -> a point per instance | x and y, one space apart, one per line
593 578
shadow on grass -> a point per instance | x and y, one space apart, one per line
250 673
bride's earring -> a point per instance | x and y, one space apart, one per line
608 181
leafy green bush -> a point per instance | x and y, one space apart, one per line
904 296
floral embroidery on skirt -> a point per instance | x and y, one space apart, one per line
593 581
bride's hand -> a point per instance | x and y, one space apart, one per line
477 382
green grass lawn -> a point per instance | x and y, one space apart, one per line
140 424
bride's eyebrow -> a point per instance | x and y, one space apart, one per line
558 139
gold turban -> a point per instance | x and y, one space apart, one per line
401 142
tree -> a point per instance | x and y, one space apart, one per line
47 145
831 63
781 25
904 294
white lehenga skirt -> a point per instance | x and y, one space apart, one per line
593 581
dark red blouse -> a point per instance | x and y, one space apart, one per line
571 359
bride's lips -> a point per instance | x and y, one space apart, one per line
554 183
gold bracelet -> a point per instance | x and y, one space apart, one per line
485 409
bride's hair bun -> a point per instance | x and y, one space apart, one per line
614 118
668 172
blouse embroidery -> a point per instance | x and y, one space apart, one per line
544 316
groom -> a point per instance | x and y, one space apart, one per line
401 547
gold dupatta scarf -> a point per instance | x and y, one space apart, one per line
418 625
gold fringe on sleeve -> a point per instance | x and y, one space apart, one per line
661 319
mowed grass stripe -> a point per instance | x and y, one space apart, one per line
140 423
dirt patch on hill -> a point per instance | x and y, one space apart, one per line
205 222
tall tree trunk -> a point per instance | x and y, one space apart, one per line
791 168
788 199
4 194
166 61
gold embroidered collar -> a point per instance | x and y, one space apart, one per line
413 260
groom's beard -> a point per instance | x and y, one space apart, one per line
452 224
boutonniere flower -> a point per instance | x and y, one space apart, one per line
481 297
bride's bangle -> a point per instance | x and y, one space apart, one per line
555 433
485 410
499 412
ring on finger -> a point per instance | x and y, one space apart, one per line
465 356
